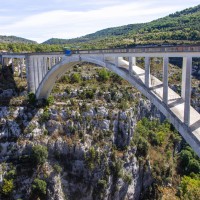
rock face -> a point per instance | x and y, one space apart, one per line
55 191
88 172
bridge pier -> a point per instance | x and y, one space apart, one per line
132 62
30 73
186 87
165 79
147 72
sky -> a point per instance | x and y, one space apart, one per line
40 20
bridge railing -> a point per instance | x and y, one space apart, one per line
149 49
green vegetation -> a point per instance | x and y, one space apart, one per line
7 187
190 188
75 78
57 168
39 188
14 39
92 158
103 74
157 142
39 154
189 161
31 98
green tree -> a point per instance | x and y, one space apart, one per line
8 186
39 154
190 188
39 187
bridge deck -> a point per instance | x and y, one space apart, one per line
175 102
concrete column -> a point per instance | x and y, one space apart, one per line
43 67
187 91
30 73
35 69
116 61
183 86
39 65
165 79
46 64
147 71
51 62
21 64
132 62
19 67
57 60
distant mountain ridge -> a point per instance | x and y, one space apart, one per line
15 39
183 25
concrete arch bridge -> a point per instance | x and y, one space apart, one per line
43 69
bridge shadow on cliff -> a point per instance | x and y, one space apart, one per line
14 96
8 87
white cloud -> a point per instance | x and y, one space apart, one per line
70 24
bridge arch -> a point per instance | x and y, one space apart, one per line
58 70
61 68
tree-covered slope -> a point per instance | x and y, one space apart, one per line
14 39
183 25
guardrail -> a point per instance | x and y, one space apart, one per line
143 49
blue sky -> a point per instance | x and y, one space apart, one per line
40 20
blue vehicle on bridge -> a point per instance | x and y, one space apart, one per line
67 51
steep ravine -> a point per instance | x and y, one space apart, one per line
87 142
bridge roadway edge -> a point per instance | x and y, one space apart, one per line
178 124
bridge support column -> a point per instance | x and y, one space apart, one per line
132 62
21 62
39 66
30 73
46 64
43 67
165 79
36 75
186 87
147 71
117 61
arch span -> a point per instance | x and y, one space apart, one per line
45 87
57 71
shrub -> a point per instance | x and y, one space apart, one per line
39 154
193 166
185 157
102 184
39 187
50 100
127 178
103 74
89 94
31 98
190 188
44 116
7 187
57 168
75 78
142 147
